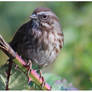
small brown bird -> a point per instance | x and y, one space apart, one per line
40 39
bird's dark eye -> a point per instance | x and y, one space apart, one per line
44 17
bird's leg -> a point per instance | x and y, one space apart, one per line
43 81
30 65
29 69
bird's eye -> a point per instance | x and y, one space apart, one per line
44 17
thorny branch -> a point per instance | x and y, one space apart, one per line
5 47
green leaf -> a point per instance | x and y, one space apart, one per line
2 82
18 80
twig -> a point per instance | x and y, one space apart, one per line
21 63
8 73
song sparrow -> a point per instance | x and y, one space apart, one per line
40 39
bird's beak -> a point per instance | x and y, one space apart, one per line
33 16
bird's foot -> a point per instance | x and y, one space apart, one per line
29 67
43 81
29 64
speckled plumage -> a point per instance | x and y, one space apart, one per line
39 40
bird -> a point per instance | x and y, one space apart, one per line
40 39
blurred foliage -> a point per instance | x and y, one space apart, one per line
74 62
19 81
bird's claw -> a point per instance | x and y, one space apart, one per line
43 81
29 64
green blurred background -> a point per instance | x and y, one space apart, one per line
75 60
